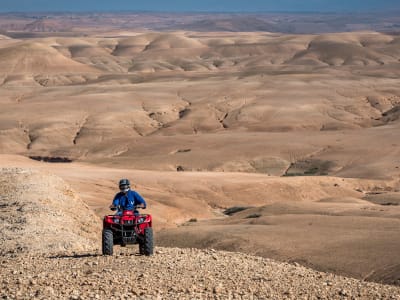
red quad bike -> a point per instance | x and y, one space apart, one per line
127 229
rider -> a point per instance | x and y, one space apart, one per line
127 199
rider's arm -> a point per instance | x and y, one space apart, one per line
139 201
115 202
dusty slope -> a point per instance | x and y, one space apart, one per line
41 214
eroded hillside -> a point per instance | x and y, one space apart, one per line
260 102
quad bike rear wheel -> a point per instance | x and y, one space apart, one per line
146 247
108 242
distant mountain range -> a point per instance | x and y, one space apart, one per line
306 23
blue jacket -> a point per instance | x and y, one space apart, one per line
128 201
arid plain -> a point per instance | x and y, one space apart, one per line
279 145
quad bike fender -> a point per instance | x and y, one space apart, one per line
107 221
144 221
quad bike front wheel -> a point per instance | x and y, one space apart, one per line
146 247
107 242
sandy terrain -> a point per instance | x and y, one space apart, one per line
301 131
264 103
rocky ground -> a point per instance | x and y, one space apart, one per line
174 273
50 250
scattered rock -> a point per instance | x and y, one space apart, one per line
176 274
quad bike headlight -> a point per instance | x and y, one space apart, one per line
116 220
140 220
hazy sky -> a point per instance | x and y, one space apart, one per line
199 5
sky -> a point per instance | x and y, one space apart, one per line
200 5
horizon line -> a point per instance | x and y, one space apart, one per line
202 12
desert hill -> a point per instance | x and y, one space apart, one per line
65 262
255 90
37 58
230 24
222 51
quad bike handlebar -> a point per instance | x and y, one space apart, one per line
114 208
